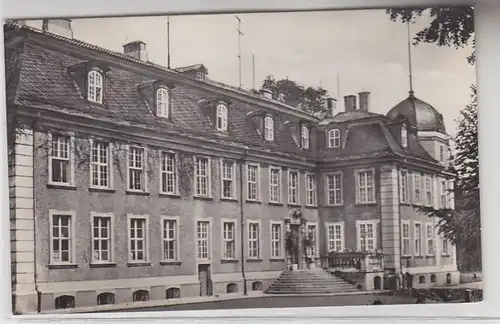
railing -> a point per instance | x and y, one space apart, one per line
361 261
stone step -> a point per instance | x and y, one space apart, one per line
310 291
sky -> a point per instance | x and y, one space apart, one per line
364 50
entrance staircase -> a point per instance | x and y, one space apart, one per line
309 281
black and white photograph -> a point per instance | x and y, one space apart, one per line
243 160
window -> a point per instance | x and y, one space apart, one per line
366 235
293 179
136 169
442 194
100 164
276 240
231 288
256 285
304 137
441 153
94 84
228 239
202 176
200 76
61 238
168 173
60 160
221 117
433 278
365 187
227 179
253 182
311 190
105 298
418 239
428 190
137 239
335 236
274 185
444 247
268 129
311 251
404 136
421 280
203 240
416 188
253 240
333 138
406 238
430 239
173 292
140 295
169 239
162 103
334 188
403 186
102 238
64 301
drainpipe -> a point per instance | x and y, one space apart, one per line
242 223
38 292
400 222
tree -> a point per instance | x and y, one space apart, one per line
454 27
309 99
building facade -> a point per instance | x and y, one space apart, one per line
130 181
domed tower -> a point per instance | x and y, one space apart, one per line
428 124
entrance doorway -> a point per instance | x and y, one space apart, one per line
205 280
408 281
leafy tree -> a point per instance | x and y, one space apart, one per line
309 99
454 26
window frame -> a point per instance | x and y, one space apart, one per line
71 159
404 136
71 235
96 85
405 238
199 259
404 186
417 186
335 240
443 199
224 239
316 239
333 138
305 137
269 128
233 178
291 189
281 241
374 223
144 178
208 176
358 186
313 191
163 153
160 110
176 238
445 251
428 191
417 252
109 151
146 239
257 182
430 237
223 126
340 174
257 222
111 234
442 153
279 185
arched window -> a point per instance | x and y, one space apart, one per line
173 293
65 301
256 285
404 136
105 298
222 117
162 103
377 283
140 295
421 279
433 278
232 288
333 138
304 132
448 278
268 129
94 86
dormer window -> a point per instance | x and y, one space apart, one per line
269 128
404 136
200 76
162 103
333 138
304 135
94 86
221 117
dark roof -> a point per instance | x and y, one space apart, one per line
189 68
418 114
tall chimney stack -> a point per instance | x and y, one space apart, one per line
330 106
136 49
61 27
350 103
364 101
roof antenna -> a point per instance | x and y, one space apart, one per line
239 48
410 75
168 42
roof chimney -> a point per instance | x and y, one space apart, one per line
61 27
136 49
350 103
330 106
267 93
364 100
